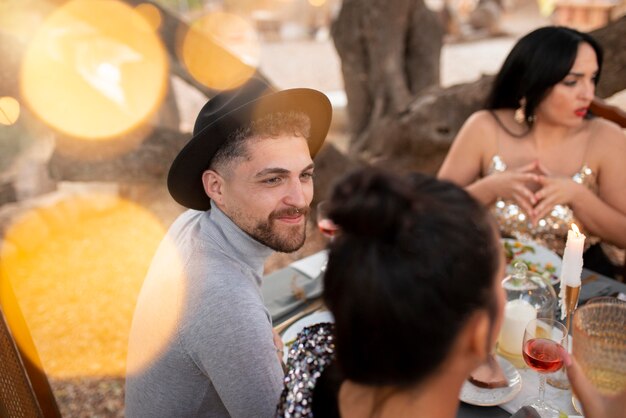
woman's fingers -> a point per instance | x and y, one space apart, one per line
545 205
595 405
527 177
522 201
543 169
582 387
532 166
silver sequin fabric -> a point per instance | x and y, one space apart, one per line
311 352
550 231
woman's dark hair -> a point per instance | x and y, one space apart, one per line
538 61
415 257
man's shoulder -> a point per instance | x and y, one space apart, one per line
221 280
186 220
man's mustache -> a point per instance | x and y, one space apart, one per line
290 212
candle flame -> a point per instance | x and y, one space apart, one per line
576 230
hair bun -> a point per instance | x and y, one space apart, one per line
370 203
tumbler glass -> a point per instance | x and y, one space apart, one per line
599 343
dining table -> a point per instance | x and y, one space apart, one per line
293 292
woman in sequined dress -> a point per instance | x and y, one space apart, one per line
537 157
413 282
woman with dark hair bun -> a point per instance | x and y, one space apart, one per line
538 157
413 282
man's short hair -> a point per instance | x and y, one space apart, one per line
272 125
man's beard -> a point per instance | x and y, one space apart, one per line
289 240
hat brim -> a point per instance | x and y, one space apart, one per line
184 180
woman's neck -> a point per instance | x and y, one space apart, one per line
544 132
436 397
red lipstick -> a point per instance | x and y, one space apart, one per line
581 112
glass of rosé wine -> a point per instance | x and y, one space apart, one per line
543 349
325 225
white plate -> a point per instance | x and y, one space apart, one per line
291 333
537 256
475 395
312 265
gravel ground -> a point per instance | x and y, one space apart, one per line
93 397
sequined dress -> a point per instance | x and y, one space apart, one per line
312 351
550 231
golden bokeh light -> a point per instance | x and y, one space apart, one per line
317 3
221 50
76 268
18 18
9 110
151 13
94 69
161 300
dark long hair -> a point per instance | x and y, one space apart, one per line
416 256
538 61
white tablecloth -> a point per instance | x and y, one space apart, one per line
559 398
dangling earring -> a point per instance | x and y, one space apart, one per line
520 112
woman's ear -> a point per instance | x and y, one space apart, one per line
478 335
213 184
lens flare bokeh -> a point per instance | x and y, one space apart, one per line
221 50
151 14
9 110
76 267
94 69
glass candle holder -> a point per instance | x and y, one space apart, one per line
528 296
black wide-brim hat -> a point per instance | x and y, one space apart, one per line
224 114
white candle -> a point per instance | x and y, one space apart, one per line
517 314
572 264
571 268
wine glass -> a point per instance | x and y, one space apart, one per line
324 223
543 351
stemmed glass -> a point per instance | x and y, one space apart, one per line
543 351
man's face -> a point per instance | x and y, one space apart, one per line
268 195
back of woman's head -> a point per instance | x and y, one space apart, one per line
415 257
538 61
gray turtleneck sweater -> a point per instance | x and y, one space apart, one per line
201 339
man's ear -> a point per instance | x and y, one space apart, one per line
213 186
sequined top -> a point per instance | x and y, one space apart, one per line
311 352
550 231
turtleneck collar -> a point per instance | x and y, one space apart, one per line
234 241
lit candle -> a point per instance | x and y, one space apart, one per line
572 264
571 268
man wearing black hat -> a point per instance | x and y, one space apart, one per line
201 343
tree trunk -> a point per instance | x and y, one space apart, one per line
613 39
390 51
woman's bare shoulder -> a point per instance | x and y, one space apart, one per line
481 117
607 134
607 144
479 125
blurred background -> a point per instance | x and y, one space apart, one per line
96 98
